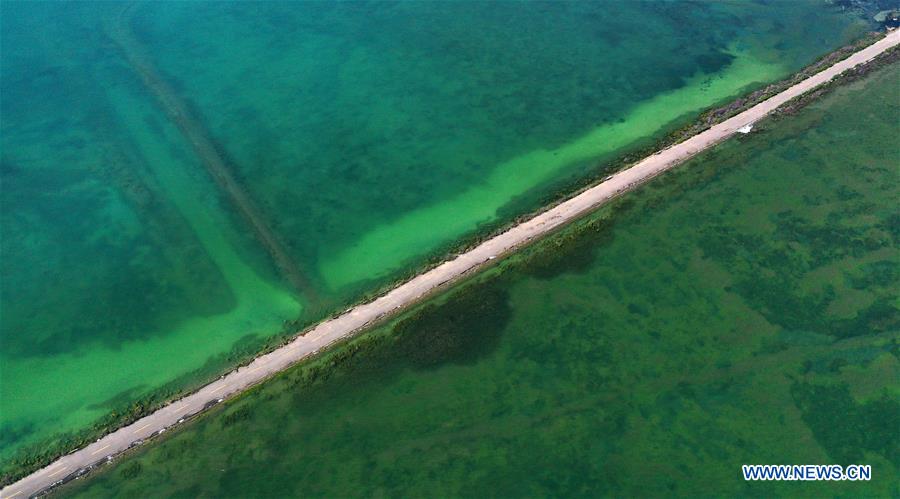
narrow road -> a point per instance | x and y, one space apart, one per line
333 330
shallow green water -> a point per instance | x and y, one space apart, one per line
121 271
742 309
371 136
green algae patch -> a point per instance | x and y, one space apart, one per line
387 247
122 272
60 392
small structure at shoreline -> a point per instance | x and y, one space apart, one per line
890 19
746 128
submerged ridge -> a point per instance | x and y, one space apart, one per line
203 146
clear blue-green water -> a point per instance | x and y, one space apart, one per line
370 136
